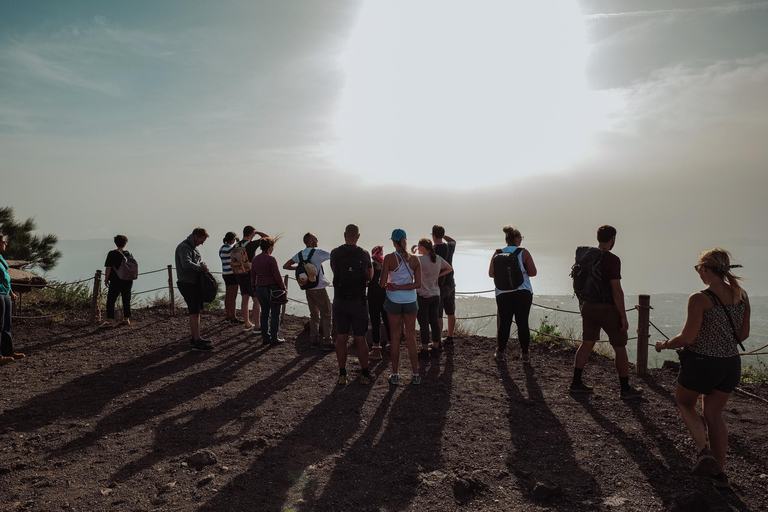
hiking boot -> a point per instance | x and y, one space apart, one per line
448 341
375 354
365 378
526 357
498 355
720 480
329 346
434 351
580 389
202 346
394 379
424 355
18 355
342 380
416 379
705 463
314 344
631 393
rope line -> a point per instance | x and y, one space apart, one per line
152 271
35 317
148 291
660 332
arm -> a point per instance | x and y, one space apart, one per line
107 271
261 235
490 269
415 265
385 271
188 264
290 265
447 269
530 266
696 306
449 239
618 298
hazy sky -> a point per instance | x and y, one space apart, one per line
153 117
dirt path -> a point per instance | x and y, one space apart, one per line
110 420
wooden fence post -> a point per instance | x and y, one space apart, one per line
95 312
643 329
282 313
171 294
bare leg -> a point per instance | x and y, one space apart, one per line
409 319
451 325
622 361
713 406
256 314
395 326
341 350
686 402
244 299
194 326
582 354
362 351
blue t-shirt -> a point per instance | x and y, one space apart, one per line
5 277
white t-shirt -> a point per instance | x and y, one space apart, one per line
317 260
429 273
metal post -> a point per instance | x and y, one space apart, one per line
282 312
95 311
643 329
171 294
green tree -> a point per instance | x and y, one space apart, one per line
39 250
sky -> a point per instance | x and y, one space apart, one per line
150 118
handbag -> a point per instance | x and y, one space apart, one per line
278 296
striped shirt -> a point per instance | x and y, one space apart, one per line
225 258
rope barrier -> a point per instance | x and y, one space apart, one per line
474 293
148 291
35 317
660 332
299 301
151 272
557 309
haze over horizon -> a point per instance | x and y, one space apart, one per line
151 118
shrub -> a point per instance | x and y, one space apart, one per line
752 375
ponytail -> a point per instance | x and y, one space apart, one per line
719 262
427 244
402 248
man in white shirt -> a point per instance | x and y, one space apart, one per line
317 295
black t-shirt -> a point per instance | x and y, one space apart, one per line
113 261
445 251
611 270
251 247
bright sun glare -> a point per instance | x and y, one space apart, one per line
465 94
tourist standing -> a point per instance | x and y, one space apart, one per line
445 247
265 277
710 365
241 266
230 280
376 297
511 269
401 276
433 267
315 284
189 267
118 287
7 296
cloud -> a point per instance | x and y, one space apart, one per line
727 9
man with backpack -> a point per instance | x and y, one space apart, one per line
120 271
352 271
308 265
597 284
189 270
240 262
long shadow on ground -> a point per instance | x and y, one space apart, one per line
541 448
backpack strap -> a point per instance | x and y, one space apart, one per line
311 253
714 298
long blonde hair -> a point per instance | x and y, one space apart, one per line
402 248
718 260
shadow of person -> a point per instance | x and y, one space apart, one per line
319 438
405 451
541 451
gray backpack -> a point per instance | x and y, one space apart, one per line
129 269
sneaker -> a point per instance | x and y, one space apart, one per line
498 355
257 330
228 321
424 354
328 347
6 359
202 346
278 341
580 388
375 354
720 480
434 351
342 381
631 393
705 463
416 379
365 379
449 341
18 355
127 321
248 328
314 344
238 321
394 379
526 357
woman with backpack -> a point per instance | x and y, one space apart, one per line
401 276
376 297
118 287
433 267
511 269
230 280
718 320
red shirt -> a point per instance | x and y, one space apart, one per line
264 271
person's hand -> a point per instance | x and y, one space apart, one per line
497 251
659 346
392 287
13 295
624 324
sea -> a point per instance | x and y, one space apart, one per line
552 287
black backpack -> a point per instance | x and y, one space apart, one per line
300 270
587 275
349 276
507 274
209 287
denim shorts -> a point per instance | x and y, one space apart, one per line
401 309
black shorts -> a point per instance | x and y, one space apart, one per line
703 374
350 313
596 316
191 294
244 280
447 300
229 279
